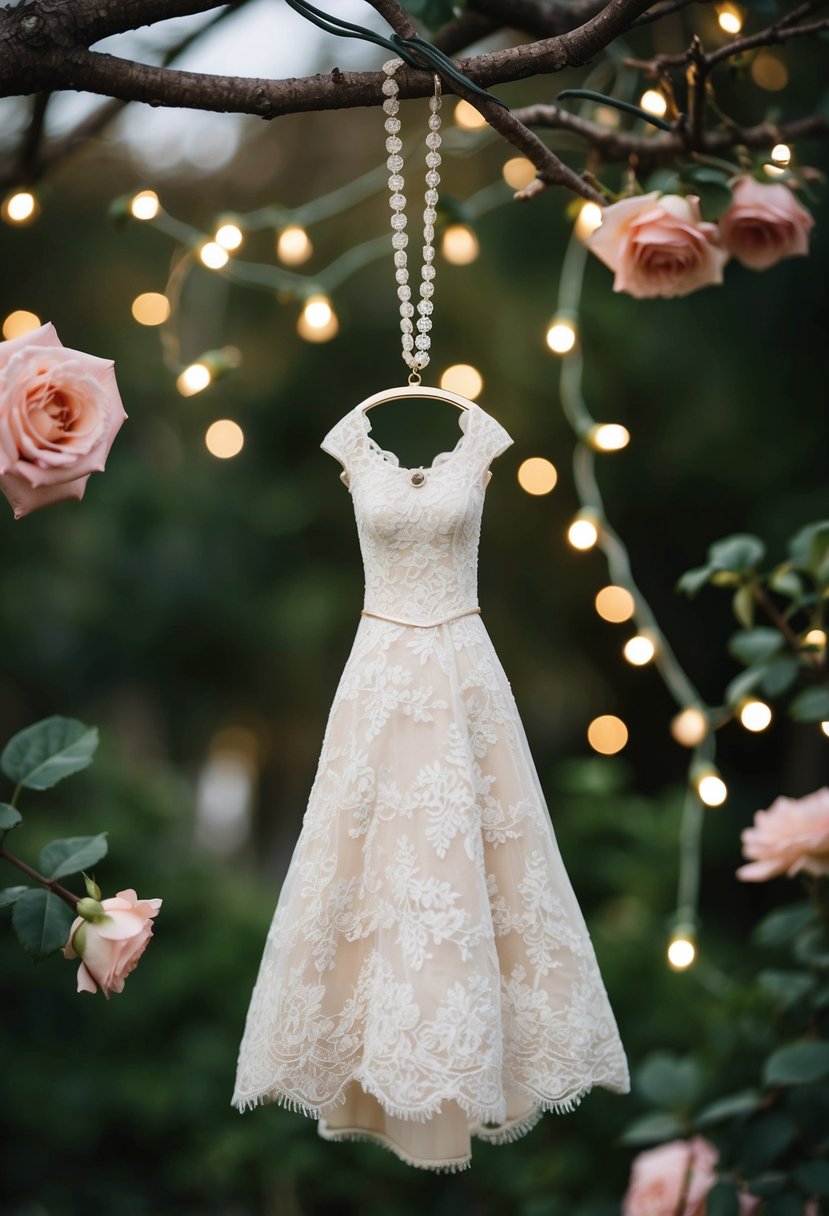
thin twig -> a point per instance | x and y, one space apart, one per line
51 884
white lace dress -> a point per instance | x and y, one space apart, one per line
428 976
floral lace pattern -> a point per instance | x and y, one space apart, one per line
428 975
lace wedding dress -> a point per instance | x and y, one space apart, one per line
428 975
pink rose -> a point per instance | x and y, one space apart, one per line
764 224
60 410
658 245
792 835
661 1177
110 949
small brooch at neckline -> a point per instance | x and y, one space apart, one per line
417 478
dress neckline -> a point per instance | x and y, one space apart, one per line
442 458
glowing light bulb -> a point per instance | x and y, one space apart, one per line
561 336
816 638
224 439
769 73
689 727
194 379
609 437
518 172
607 734
464 379
755 715
639 650
615 604
460 245
19 323
771 170
537 475
151 308
317 322
213 255
583 532
824 726
729 18
588 220
467 117
712 789
145 205
654 102
681 951
20 207
229 236
293 245
781 154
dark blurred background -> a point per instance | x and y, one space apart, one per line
199 611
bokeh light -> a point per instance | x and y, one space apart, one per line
20 322
537 475
755 715
213 255
318 322
689 727
464 379
20 207
293 245
145 205
561 336
609 437
460 245
224 439
588 220
729 18
194 379
681 952
639 650
229 236
769 72
468 118
518 172
151 308
607 734
615 604
583 533
781 154
712 789
654 102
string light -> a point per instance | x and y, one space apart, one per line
518 172
654 102
151 308
20 207
711 788
213 255
816 638
588 220
293 245
460 245
467 117
317 322
824 726
583 532
537 475
607 734
755 715
229 236
145 205
561 336
19 323
639 650
773 170
224 439
781 154
729 18
681 950
194 379
689 727
769 73
609 437
615 604
464 379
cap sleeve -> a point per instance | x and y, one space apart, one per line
339 443
494 440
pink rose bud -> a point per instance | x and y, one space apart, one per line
658 245
790 837
682 1170
764 224
60 411
110 948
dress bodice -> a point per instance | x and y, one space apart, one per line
418 528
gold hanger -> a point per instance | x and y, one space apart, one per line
415 390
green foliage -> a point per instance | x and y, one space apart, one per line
433 13
43 754
41 921
72 855
10 817
711 186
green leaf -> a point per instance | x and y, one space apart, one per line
789 1204
812 947
653 1128
808 548
740 553
693 580
41 921
731 1107
714 199
11 895
9 817
787 987
72 855
782 925
797 1063
779 675
743 606
768 1184
722 1200
811 705
784 581
764 1140
666 181
753 645
41 755
669 1081
813 1177
743 684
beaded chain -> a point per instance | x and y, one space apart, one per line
415 348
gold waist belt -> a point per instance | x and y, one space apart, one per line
396 620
